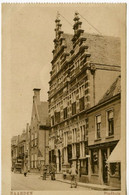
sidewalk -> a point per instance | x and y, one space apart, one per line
91 186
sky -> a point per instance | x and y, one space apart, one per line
28 34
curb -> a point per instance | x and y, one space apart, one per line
90 187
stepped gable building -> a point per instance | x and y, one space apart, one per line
83 67
104 133
39 133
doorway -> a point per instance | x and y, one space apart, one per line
59 157
104 166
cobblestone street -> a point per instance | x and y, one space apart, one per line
35 182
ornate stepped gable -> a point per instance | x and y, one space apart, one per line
95 48
61 42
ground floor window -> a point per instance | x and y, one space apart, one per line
95 161
69 152
115 169
84 167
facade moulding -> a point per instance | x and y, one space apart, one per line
68 119
104 144
58 53
62 67
64 85
107 67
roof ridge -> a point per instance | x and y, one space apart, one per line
110 91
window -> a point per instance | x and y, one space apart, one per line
69 151
84 167
57 117
32 158
94 159
87 126
77 150
52 120
82 149
115 169
74 108
65 139
32 164
65 113
110 123
82 133
81 102
98 126
74 135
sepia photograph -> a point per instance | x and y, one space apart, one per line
63 98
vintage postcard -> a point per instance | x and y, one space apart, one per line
63 98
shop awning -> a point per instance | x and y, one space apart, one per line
115 156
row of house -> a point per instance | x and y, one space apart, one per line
32 145
84 108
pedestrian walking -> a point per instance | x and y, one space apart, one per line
52 171
25 170
44 172
73 172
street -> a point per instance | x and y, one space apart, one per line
35 182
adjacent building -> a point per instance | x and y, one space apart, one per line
84 66
39 133
104 133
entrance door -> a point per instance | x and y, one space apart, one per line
59 156
104 165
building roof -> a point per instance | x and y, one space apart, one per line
103 49
43 112
114 89
68 38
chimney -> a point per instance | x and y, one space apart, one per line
37 95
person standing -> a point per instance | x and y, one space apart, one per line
44 172
73 172
25 170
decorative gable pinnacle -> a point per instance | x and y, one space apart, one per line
77 28
58 31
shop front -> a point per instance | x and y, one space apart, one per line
100 172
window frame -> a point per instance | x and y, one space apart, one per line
82 103
96 129
107 123
93 163
74 111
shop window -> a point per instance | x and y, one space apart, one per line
81 102
74 108
110 123
69 151
94 158
98 126
65 113
84 167
77 150
115 169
